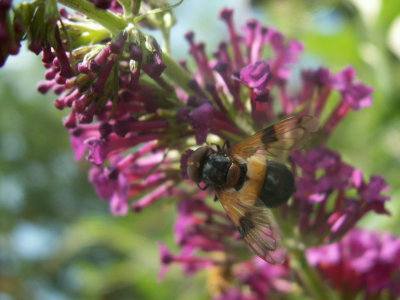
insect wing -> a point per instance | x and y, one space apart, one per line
256 224
278 139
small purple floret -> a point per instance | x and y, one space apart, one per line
201 119
256 76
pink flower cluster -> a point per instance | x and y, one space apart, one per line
135 120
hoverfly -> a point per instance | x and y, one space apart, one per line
248 179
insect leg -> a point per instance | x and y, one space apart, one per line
215 198
226 145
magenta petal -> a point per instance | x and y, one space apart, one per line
78 147
357 178
343 78
119 199
104 186
371 191
115 190
97 152
154 195
315 198
326 253
255 75
355 94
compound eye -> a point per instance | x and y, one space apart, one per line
195 162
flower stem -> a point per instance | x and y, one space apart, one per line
157 11
176 73
310 279
127 5
105 18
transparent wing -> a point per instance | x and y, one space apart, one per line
256 224
278 139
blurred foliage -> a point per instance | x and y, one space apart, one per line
58 240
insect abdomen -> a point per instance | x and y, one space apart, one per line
278 185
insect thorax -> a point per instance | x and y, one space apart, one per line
215 169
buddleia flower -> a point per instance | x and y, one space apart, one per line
137 114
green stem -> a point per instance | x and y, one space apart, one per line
157 11
126 5
176 73
104 17
136 6
165 34
313 285
309 277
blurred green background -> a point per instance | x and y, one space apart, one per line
58 240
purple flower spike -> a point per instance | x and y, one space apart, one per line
134 123
226 15
325 177
364 264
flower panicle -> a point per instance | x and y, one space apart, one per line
323 178
240 81
370 261
134 120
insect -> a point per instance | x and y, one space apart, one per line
248 179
